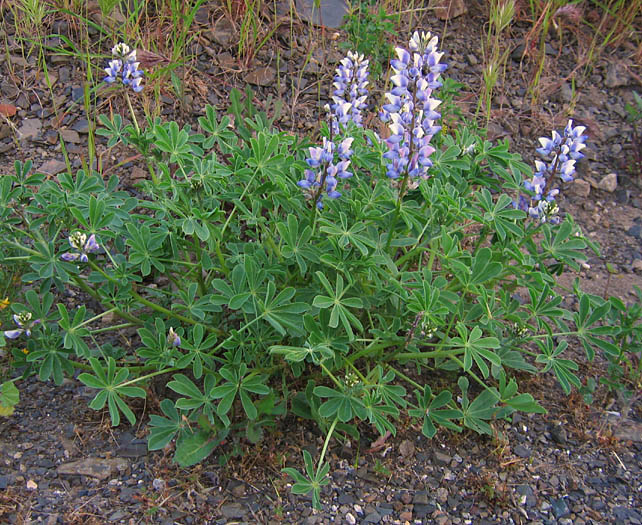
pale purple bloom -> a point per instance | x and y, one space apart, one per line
82 246
24 323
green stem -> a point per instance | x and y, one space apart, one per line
114 327
169 313
150 166
96 317
331 376
405 377
147 376
326 443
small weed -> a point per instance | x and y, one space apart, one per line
635 117
381 470
369 33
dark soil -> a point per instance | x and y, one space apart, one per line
61 462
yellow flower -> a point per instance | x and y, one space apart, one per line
4 303
25 351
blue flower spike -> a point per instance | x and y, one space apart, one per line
560 154
410 110
124 67
350 92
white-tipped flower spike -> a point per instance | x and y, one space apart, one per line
410 110
326 169
350 92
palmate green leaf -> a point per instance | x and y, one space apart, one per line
109 381
563 368
339 305
194 448
74 332
114 130
280 312
433 413
314 481
560 243
164 429
296 242
347 233
480 410
585 320
296 354
477 348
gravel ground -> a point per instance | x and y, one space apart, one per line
60 462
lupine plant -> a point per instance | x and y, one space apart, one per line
253 296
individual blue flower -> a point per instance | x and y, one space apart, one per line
173 338
124 68
82 246
410 110
24 323
350 92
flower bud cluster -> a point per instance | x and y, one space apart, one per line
350 92
327 164
124 67
560 153
82 246
410 110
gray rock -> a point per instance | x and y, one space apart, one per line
441 458
616 75
30 129
233 510
93 467
560 508
328 13
635 231
559 434
522 451
81 126
373 517
262 76
421 498
580 187
70 135
608 183
52 167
